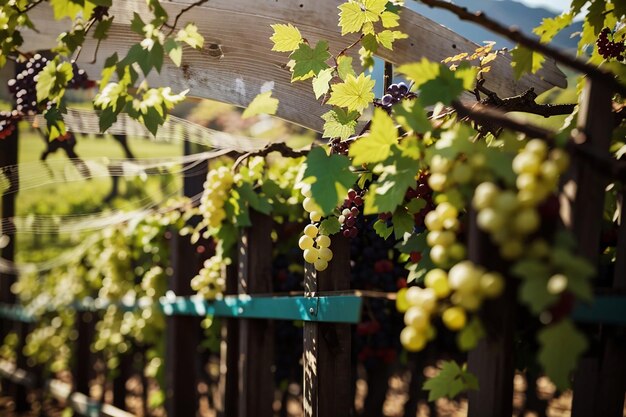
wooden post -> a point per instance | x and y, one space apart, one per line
181 331
492 360
83 363
599 382
327 346
256 337
124 372
229 354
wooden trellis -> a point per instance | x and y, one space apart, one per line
234 66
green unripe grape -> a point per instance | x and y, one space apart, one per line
526 162
462 173
469 301
550 172
402 304
315 216
416 317
309 204
439 164
464 277
506 202
447 211
451 224
439 255
433 221
526 221
320 265
414 296
491 284
511 249
528 198
454 318
306 191
561 158
429 300
557 284
539 248
437 280
526 182
457 251
431 333
323 241
305 242
489 220
311 255
437 182
412 339
478 160
311 230
444 238
325 254
484 195
537 147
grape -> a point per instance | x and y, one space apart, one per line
484 195
311 230
305 242
402 304
412 339
454 318
557 284
323 241
315 216
416 317
469 301
439 255
526 221
326 254
491 284
489 220
309 204
217 184
311 255
610 48
320 264
394 94
511 249
433 221
526 162
464 277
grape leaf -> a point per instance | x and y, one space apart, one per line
332 177
102 28
339 123
418 270
444 88
420 72
355 13
286 38
55 123
354 94
524 60
52 80
309 61
468 338
376 146
403 222
330 226
344 66
390 19
321 82
450 382
388 191
263 103
413 243
533 290
412 116
175 51
550 26
561 346
381 229
387 37
190 35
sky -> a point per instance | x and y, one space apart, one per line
556 6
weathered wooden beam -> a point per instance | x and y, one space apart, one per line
328 381
229 354
256 337
237 62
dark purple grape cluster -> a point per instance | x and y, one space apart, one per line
609 48
8 123
422 190
349 212
24 86
80 80
394 94
339 147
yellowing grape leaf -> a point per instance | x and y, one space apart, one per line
376 146
524 60
420 72
308 61
321 82
355 13
263 103
190 35
387 37
354 94
339 123
561 346
332 177
550 26
344 66
286 38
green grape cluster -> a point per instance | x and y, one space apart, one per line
509 216
210 282
216 189
443 225
316 247
309 205
445 173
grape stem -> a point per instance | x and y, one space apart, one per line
279 147
180 14
515 35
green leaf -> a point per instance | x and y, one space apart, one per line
387 37
137 24
450 382
55 123
561 346
102 28
416 205
468 338
174 51
321 82
249 196
71 9
330 226
339 123
444 88
524 60
413 243
389 190
332 178
190 35
533 290
52 80
376 146
382 230
355 13
550 26
344 66
263 103
420 72
107 117
354 94
403 222
309 61
418 271
412 116
286 38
